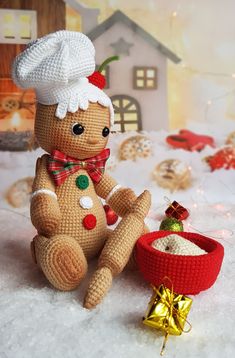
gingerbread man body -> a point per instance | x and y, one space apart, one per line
73 118
72 225
78 202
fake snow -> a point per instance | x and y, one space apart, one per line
38 321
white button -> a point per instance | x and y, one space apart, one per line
86 202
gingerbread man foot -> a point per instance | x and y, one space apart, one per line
61 260
100 283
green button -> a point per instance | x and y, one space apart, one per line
82 182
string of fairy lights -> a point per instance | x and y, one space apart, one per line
223 233
194 71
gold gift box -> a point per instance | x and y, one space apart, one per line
168 311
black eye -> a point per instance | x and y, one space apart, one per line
105 132
77 129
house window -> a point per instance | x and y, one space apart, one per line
127 115
145 78
106 73
17 26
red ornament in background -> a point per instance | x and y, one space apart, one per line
111 216
97 79
223 159
177 211
189 141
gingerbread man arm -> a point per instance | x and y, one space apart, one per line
42 178
120 199
44 209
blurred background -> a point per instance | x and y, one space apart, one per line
201 33
194 63
176 70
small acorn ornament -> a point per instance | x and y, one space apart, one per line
97 79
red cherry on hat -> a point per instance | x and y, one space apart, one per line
89 222
97 79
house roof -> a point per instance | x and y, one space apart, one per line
119 16
81 8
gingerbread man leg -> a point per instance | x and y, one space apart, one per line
117 250
61 259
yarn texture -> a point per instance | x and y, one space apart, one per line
57 67
189 274
68 214
177 245
72 228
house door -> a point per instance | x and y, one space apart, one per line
127 113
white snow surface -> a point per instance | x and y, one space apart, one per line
37 321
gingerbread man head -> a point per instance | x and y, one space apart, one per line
81 135
73 115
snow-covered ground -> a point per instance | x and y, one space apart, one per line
37 321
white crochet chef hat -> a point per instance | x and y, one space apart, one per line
57 66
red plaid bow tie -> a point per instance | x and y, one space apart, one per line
60 166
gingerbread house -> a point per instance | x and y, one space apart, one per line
137 83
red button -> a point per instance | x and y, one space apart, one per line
89 222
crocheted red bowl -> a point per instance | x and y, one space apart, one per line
189 274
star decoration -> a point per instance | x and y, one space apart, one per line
121 47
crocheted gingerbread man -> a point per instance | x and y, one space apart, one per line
72 125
